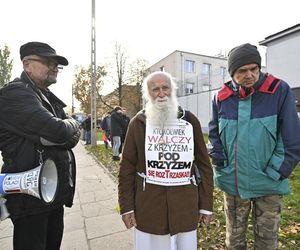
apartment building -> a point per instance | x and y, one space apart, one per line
198 78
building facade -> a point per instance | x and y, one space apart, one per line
198 77
283 57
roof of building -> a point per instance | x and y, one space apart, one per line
280 34
219 56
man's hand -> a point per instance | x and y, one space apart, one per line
205 218
129 220
71 143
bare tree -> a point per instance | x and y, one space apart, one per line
128 78
138 70
120 59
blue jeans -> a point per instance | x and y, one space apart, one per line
116 145
88 136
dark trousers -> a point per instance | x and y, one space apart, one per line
42 231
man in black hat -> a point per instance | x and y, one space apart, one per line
255 137
33 128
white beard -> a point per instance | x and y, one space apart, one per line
161 110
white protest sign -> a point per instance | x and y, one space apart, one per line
169 153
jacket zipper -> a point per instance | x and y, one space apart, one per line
235 154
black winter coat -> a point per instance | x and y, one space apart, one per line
117 124
28 119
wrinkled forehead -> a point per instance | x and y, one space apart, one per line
159 79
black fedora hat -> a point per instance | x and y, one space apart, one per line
43 50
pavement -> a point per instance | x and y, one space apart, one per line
93 222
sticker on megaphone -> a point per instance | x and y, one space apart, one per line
40 182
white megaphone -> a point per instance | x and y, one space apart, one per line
40 182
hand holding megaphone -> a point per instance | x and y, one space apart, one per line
40 182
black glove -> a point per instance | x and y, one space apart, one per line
71 143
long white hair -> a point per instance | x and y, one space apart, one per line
147 81
156 113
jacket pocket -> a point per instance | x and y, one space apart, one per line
219 152
262 144
225 178
227 130
264 137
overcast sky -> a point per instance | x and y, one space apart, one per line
147 29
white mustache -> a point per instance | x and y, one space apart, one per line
162 99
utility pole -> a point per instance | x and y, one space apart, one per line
73 108
93 79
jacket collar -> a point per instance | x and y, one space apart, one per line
45 95
230 88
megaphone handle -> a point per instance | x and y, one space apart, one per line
3 209
41 156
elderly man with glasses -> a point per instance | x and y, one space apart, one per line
34 128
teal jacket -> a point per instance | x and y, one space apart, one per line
255 138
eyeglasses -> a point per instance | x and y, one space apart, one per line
51 64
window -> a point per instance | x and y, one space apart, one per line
189 88
223 73
189 66
162 68
205 69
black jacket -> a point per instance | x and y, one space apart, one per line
125 124
32 121
117 123
86 124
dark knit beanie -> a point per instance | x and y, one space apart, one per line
242 55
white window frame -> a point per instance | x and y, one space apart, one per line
206 69
189 66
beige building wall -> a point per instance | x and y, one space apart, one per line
283 53
198 77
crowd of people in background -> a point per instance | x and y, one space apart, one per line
118 129
105 126
114 126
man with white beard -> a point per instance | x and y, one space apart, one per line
159 191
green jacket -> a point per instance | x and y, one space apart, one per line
255 140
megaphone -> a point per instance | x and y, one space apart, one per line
40 182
